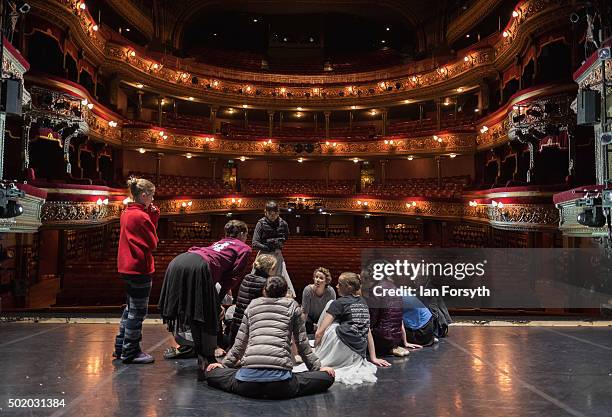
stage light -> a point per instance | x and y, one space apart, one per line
141 150
8 204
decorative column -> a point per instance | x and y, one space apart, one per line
383 171
269 173
213 118
214 169
327 114
384 121
158 166
160 99
139 93
25 142
438 113
439 170
270 122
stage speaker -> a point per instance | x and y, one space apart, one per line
588 106
11 96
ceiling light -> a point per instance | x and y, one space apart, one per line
127 29
476 110
467 36
383 41
254 20
388 28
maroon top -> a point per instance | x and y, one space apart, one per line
226 259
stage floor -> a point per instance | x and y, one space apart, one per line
477 371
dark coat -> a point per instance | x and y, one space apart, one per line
269 236
251 288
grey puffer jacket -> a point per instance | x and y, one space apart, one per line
264 337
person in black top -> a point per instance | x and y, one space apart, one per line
271 233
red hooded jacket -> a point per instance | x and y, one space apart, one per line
137 240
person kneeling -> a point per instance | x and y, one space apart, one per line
263 350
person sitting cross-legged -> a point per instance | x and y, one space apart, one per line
262 351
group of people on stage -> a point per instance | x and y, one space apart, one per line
264 336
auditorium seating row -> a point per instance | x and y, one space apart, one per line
187 122
429 125
250 61
176 185
291 133
288 187
421 187
94 283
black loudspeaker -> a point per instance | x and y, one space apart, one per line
588 106
11 96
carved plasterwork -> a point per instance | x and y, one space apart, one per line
56 213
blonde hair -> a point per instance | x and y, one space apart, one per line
137 186
352 281
325 272
265 263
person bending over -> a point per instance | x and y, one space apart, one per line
188 295
343 336
251 288
316 296
262 351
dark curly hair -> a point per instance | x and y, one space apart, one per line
276 287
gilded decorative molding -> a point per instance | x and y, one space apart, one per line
219 84
70 213
150 139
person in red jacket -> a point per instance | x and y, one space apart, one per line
137 240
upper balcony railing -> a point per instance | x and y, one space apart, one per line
185 77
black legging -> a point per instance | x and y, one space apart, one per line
204 343
300 384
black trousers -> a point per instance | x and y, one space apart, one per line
423 336
300 384
384 347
